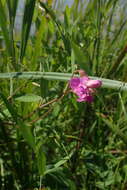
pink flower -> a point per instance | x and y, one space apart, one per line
84 87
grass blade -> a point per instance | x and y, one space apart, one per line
9 107
106 83
41 162
12 7
64 37
115 129
3 25
26 25
81 57
25 130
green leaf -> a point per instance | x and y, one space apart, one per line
56 110
67 18
10 107
3 25
44 88
115 129
38 43
27 134
12 7
25 130
26 25
81 58
29 98
41 162
65 38
59 163
63 161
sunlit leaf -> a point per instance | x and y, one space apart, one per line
29 98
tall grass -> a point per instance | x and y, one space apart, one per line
47 140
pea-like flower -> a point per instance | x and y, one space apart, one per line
84 87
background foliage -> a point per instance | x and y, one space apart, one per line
64 145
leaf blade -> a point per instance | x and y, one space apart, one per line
26 25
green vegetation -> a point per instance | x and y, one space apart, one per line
47 140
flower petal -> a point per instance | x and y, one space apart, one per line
80 99
74 82
79 91
84 80
93 83
89 99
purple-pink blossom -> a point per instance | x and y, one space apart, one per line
84 87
